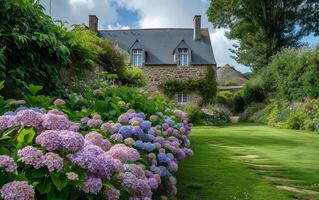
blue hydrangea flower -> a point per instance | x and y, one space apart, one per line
146 125
126 131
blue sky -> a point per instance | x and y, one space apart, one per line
124 14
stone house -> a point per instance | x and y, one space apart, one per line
228 78
166 53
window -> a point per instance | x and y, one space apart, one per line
183 57
137 57
182 98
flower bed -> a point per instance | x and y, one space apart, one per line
44 155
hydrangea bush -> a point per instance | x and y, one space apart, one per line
44 155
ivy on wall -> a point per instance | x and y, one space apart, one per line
206 86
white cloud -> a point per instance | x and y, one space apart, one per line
117 26
77 11
78 3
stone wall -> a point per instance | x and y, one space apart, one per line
158 74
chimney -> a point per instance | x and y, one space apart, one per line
93 23
197 27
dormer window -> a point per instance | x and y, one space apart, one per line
182 57
182 54
137 57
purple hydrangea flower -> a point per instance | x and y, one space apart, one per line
55 122
153 183
65 140
56 112
31 156
29 118
173 167
137 186
17 190
84 120
94 159
97 139
117 137
92 185
111 194
7 121
94 122
169 122
123 118
146 125
136 130
8 164
53 161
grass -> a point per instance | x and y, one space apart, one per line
250 162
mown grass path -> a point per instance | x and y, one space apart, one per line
250 162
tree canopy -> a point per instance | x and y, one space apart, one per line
264 27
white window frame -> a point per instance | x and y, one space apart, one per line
183 57
182 98
137 57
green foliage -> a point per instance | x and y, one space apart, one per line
207 86
225 97
96 50
205 116
254 91
133 76
33 47
239 102
263 28
194 113
283 114
293 74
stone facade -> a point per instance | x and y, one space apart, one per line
157 74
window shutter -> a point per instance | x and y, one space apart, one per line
143 57
189 55
176 56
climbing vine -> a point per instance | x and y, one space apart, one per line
206 86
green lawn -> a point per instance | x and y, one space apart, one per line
250 162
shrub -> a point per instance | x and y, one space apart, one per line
133 76
41 46
225 97
238 102
253 90
43 155
44 48
65 150
194 113
209 115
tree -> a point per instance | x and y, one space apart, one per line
264 27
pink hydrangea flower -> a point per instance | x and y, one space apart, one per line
59 102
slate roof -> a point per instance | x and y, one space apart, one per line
229 75
159 44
